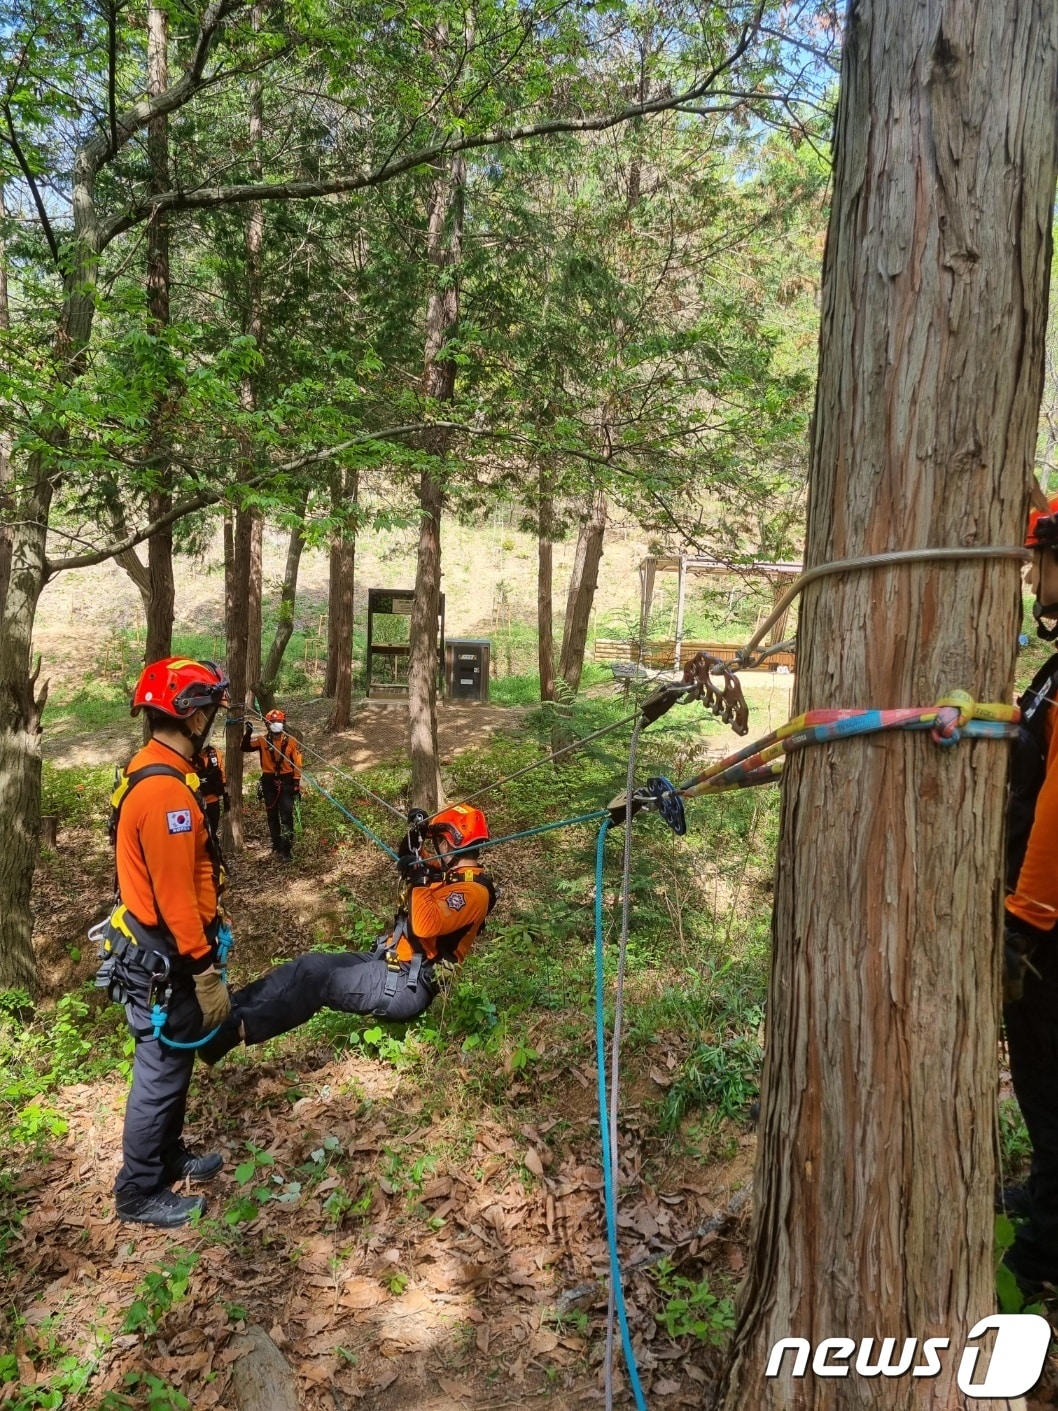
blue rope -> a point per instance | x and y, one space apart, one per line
351 817
225 941
607 1155
531 832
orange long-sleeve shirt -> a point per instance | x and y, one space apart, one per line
165 872
1035 898
279 754
446 917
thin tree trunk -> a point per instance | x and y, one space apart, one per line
444 247
243 595
266 687
7 501
545 588
254 327
334 582
236 597
20 703
341 612
254 604
161 602
582 584
875 1163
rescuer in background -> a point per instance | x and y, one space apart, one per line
1031 944
208 764
281 764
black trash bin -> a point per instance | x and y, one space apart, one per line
467 669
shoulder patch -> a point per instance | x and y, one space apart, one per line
179 820
456 900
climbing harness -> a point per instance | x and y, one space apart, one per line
136 970
160 1004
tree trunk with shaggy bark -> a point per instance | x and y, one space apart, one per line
876 1162
582 585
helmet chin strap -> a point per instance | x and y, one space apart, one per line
199 741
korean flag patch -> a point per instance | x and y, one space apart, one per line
179 821
456 900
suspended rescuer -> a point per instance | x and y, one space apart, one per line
161 941
1031 942
208 764
280 778
445 897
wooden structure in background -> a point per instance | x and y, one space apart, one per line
780 575
393 602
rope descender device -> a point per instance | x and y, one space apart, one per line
659 795
697 684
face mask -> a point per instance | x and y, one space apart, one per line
276 727
200 741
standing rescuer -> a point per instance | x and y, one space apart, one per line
280 778
445 897
1030 1011
208 764
161 941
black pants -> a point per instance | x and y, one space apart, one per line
355 982
279 804
161 1076
1032 1038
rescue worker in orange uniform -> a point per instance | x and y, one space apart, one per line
1030 1011
280 778
446 896
161 941
208 764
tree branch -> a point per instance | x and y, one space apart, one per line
100 148
212 497
209 196
35 192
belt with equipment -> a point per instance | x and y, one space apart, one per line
137 970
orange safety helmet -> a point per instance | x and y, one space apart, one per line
458 828
275 717
178 686
1043 527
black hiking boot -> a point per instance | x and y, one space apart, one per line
223 1042
164 1208
181 1164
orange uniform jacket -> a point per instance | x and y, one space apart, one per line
445 917
165 872
1035 899
279 754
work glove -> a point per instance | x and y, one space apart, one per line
1019 941
226 802
414 871
213 998
297 789
247 732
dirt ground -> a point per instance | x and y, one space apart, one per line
479 1288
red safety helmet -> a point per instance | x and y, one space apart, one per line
457 828
275 717
1043 527
178 686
